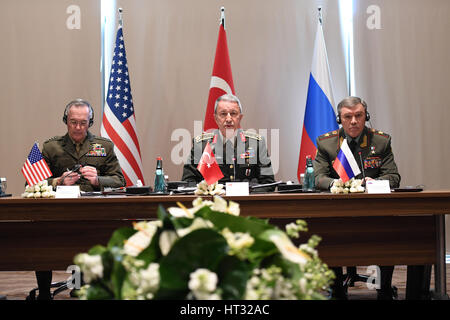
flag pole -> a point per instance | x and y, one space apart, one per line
120 10
319 8
222 16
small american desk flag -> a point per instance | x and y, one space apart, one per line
35 168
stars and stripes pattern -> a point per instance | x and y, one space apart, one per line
35 168
119 122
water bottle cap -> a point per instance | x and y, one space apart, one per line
159 158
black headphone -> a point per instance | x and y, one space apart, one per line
79 102
338 117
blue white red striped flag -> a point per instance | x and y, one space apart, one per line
345 163
119 122
35 168
319 117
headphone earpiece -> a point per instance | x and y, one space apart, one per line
79 101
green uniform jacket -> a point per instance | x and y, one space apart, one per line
376 154
60 154
252 162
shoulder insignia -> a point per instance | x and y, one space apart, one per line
102 138
253 135
328 135
363 144
204 136
380 133
55 138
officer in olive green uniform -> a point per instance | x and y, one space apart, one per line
243 158
378 163
61 155
98 166
376 155
241 155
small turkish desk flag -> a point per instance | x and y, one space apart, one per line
208 166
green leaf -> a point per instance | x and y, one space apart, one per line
202 248
119 236
107 262
261 249
221 220
98 292
164 217
152 252
96 250
128 290
181 223
117 278
234 274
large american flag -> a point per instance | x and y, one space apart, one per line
35 168
119 122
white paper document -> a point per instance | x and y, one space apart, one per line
237 189
378 186
67 192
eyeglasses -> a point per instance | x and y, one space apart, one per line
233 114
75 123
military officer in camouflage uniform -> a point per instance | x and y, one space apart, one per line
241 155
99 165
377 158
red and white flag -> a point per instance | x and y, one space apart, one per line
208 166
119 122
35 168
221 79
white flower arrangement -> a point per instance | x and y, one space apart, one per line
39 190
203 285
219 204
204 189
239 242
92 266
351 186
207 252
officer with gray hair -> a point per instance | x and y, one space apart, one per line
241 154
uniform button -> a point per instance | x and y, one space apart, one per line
231 166
231 178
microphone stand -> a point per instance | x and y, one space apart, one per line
362 169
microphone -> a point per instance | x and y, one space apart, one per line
362 168
76 168
234 168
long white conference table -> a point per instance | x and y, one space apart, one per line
404 228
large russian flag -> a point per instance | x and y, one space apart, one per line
345 163
320 117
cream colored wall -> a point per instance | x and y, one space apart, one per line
43 66
402 70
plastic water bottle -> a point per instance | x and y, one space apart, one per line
160 185
309 175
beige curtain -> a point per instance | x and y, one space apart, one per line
44 65
402 71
